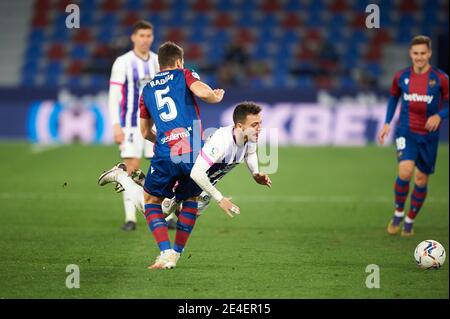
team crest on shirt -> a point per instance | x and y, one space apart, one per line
213 151
406 81
432 83
195 75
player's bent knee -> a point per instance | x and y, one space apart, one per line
421 179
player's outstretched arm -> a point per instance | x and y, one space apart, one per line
198 175
204 92
251 159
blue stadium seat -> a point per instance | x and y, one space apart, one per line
105 35
224 6
33 52
337 21
201 20
315 19
374 69
407 21
358 37
404 35
156 19
346 82
177 19
74 81
198 35
60 35
79 52
305 81
360 5
109 19
293 5
335 35
133 5
98 81
36 36
246 19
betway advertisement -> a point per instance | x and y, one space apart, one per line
295 117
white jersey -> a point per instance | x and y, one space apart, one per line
132 73
222 153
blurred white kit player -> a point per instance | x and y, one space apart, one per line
130 73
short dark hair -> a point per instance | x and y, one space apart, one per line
421 39
168 54
243 109
141 25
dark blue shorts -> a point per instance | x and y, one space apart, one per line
162 176
422 149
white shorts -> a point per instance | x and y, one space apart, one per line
134 145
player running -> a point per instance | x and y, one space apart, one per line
226 148
130 73
423 91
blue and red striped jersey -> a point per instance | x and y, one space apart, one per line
422 95
168 100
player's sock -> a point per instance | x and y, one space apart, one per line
417 198
130 210
408 225
401 189
135 193
398 217
186 221
157 225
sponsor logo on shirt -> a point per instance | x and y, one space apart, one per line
414 97
175 136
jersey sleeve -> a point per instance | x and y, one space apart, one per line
118 72
444 86
395 87
214 149
143 112
190 76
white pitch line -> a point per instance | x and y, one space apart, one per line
104 196
40 148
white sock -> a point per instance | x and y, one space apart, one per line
134 192
409 220
130 211
399 214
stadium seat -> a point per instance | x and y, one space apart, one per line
79 52
133 5
110 6
291 21
83 35
56 52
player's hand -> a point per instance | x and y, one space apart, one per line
227 205
433 122
262 179
219 94
119 136
383 133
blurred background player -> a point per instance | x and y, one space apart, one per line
168 103
423 91
130 73
226 148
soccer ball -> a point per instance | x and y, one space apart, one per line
429 254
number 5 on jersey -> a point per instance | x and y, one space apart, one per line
166 101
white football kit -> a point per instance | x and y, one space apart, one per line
220 154
129 75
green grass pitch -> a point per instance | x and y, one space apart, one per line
310 236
